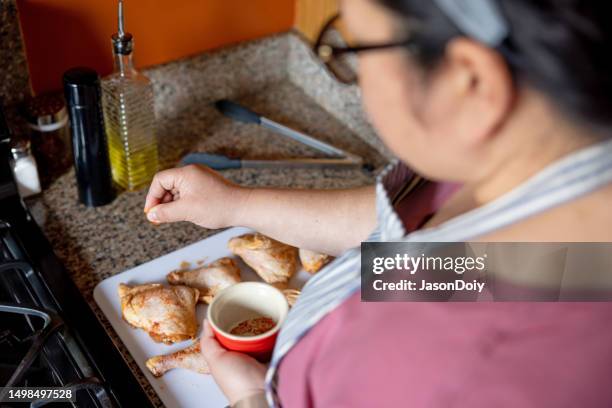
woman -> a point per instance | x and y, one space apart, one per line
507 105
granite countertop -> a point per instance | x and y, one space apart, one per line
276 76
14 86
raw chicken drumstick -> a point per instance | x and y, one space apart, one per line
208 280
189 358
167 313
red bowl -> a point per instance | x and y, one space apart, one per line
243 301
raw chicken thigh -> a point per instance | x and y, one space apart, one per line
291 295
313 261
167 313
273 261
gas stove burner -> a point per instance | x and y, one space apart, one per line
9 340
38 347
91 384
49 337
51 324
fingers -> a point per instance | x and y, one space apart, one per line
172 211
208 331
168 197
163 184
211 349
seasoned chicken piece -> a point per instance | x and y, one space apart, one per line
313 261
189 358
209 279
273 261
167 313
291 295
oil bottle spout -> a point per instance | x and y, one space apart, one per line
122 41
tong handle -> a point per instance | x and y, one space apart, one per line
214 161
237 112
245 115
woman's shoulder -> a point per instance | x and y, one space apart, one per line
586 219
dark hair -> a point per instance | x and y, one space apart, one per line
562 48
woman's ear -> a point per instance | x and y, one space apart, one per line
474 92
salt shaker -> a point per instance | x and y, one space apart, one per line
25 170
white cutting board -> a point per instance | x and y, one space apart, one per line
179 387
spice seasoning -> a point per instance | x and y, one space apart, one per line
253 327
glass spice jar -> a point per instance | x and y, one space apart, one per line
25 169
47 118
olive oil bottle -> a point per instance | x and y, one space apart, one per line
129 117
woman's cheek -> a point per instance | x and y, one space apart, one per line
389 110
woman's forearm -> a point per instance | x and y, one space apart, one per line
328 221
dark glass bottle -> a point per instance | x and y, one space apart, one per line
89 145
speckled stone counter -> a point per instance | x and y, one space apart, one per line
14 78
276 76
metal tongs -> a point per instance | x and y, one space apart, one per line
338 158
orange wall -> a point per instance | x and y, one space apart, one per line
60 34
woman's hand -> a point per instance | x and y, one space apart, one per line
238 375
195 194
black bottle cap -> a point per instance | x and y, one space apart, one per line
123 45
89 146
81 86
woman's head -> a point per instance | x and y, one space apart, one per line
456 108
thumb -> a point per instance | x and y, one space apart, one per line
211 348
168 212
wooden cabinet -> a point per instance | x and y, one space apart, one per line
310 15
60 34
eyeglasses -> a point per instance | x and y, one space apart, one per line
339 58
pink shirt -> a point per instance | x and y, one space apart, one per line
473 355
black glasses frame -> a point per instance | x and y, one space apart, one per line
328 53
